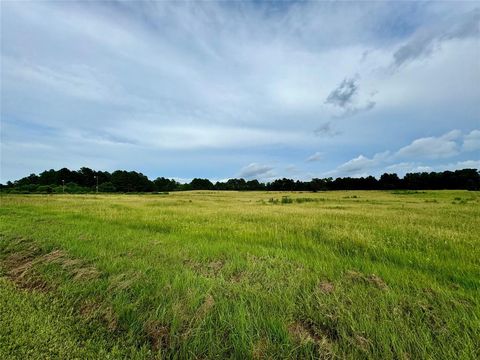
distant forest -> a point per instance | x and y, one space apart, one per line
87 180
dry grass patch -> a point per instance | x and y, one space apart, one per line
326 287
372 279
23 259
305 332
210 269
259 350
158 335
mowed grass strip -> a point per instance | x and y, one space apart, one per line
243 274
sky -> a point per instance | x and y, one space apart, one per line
240 89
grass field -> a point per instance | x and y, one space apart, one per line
385 275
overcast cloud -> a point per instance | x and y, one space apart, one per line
226 89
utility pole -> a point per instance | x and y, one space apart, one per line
63 186
96 177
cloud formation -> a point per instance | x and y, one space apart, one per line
427 39
362 164
471 141
346 97
432 147
256 171
445 146
326 129
342 95
316 157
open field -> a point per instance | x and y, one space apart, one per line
386 275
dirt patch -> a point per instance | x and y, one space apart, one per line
326 287
158 334
372 279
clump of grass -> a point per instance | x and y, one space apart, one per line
289 200
407 192
286 200
307 200
460 200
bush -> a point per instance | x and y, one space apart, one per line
45 189
286 200
106 187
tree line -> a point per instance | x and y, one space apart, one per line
87 180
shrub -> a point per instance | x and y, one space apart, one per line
106 187
286 200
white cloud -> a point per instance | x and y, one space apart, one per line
357 164
413 167
428 148
186 137
316 157
407 167
470 164
432 147
256 171
361 164
78 81
471 141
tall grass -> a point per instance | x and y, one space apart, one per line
238 275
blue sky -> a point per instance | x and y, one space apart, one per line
240 89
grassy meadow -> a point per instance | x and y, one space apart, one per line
241 275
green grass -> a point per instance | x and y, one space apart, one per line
385 275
